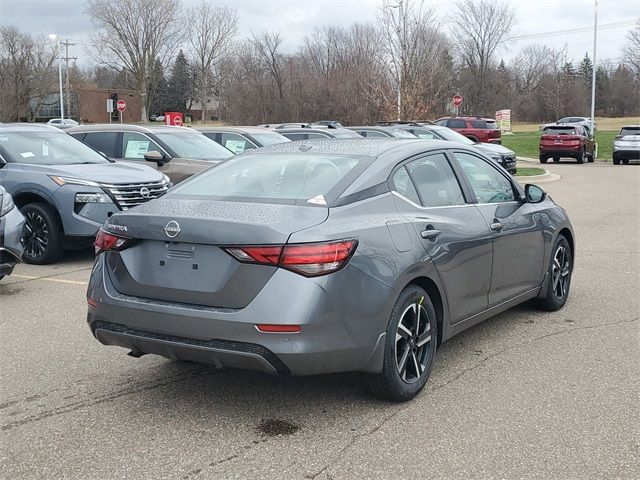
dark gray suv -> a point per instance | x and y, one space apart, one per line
65 189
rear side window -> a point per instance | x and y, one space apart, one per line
303 178
435 181
104 142
479 124
456 123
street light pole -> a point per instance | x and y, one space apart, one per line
593 77
54 36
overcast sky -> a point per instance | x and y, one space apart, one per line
297 18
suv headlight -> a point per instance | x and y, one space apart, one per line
73 181
496 157
6 203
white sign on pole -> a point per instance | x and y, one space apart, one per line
109 105
503 119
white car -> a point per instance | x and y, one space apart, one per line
62 123
584 121
626 145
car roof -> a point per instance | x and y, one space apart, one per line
306 130
238 129
28 127
384 128
633 127
127 127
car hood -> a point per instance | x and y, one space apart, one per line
493 148
116 172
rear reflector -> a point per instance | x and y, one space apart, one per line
92 303
308 259
274 328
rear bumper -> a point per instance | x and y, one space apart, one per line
627 154
334 336
568 151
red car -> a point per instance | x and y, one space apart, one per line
477 129
566 141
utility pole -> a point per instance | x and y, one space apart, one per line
66 58
593 77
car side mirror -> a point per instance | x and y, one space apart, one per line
534 193
155 156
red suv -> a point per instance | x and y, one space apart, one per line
477 129
566 141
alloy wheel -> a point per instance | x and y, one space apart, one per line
35 237
413 341
560 272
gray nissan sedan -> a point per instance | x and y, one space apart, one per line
329 256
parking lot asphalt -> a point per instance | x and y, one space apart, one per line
525 394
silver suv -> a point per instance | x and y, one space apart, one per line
626 145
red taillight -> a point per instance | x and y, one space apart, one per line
274 328
308 259
92 303
109 241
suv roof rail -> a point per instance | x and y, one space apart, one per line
414 123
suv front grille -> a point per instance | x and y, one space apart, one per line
509 158
128 195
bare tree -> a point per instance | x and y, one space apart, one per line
479 28
414 49
267 45
631 50
531 64
132 34
27 71
211 37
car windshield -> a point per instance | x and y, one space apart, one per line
453 136
193 145
47 148
401 134
289 176
559 131
266 139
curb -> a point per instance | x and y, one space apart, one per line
547 176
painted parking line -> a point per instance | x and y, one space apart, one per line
50 279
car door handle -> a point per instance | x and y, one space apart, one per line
497 226
430 234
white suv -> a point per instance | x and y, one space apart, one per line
626 145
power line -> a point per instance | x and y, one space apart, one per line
572 30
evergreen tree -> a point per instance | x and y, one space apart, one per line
586 70
180 86
158 90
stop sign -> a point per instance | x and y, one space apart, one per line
457 100
121 105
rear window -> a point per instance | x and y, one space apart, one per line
289 177
559 131
630 131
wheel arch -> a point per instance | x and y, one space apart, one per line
25 197
432 289
568 234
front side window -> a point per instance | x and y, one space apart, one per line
104 142
435 181
296 177
135 145
46 148
488 184
236 143
373 134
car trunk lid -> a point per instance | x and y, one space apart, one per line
177 254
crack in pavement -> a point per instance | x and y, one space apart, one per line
436 388
73 406
52 275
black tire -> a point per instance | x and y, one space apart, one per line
625 161
41 235
616 160
557 291
591 158
556 159
391 384
580 158
543 159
